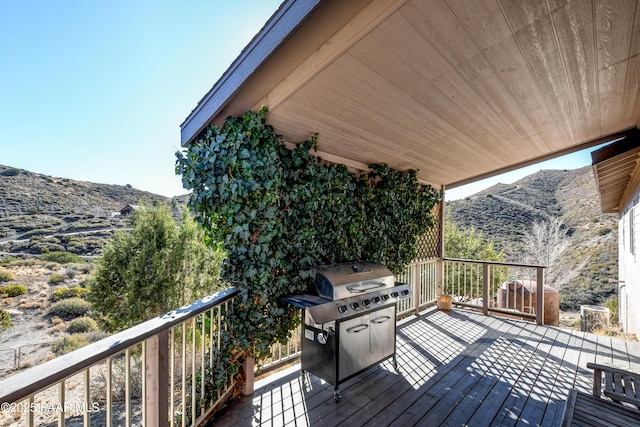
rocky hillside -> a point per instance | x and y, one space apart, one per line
504 212
40 213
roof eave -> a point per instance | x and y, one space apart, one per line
280 26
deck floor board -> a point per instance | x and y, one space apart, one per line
454 369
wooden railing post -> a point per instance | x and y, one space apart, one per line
485 289
156 399
540 295
249 373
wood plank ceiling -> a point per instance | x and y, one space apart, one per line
461 89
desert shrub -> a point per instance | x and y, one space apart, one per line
56 278
74 269
13 290
81 325
62 257
604 231
69 343
6 275
65 293
70 308
5 320
614 309
9 260
118 380
11 172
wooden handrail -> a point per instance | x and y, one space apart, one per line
506 264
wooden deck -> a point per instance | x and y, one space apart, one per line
457 368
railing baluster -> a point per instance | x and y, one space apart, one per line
193 371
127 386
30 412
203 339
87 397
184 375
109 392
61 401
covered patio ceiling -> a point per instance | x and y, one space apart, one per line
457 89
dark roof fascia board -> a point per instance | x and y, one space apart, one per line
280 26
628 141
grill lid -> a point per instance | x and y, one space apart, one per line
338 281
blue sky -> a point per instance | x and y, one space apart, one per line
96 90
571 161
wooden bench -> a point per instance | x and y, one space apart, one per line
585 409
620 385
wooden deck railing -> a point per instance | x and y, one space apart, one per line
159 365
498 287
150 374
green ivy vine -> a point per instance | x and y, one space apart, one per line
278 211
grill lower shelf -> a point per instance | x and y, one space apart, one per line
350 347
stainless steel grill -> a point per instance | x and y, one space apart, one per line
349 322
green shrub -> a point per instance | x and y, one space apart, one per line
56 278
70 308
5 320
62 257
73 342
69 343
82 325
14 290
604 231
11 172
614 309
6 275
8 260
65 293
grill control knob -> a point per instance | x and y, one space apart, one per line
376 300
385 297
366 302
342 308
395 294
405 292
355 305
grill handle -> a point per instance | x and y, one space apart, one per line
359 289
357 328
381 319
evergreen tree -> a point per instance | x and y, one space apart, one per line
155 267
464 280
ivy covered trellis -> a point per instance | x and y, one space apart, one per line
278 211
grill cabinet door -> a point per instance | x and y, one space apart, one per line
383 333
354 346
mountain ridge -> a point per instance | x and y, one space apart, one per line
40 213
502 213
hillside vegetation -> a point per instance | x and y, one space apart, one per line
504 212
40 213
